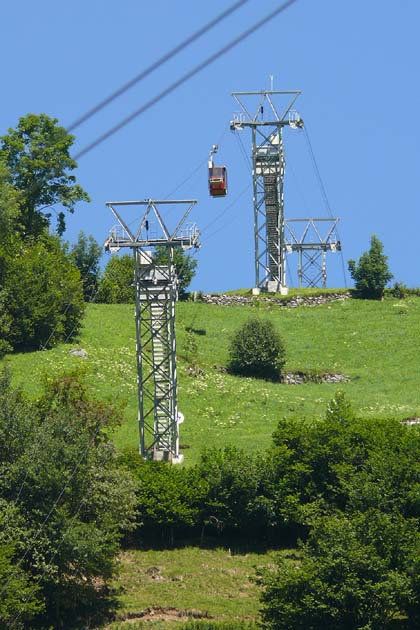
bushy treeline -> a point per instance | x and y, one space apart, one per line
64 503
348 487
41 294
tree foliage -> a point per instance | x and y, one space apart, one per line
256 349
41 297
71 501
371 274
353 573
37 156
86 255
116 285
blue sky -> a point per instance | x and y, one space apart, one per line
355 62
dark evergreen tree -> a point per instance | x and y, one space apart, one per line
371 274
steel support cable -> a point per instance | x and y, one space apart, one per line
318 174
58 499
186 77
243 151
325 196
157 64
223 212
197 168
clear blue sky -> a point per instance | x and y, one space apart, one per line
355 62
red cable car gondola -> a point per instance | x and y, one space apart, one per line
217 177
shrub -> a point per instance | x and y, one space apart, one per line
256 349
371 273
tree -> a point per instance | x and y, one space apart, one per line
256 349
37 155
117 283
347 578
371 273
86 255
20 598
72 502
185 266
41 300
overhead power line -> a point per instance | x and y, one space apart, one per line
157 64
176 84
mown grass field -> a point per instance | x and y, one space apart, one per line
375 344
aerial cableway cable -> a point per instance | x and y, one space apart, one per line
324 194
186 77
157 64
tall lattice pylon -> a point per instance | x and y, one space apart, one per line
266 113
155 293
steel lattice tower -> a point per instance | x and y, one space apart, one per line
311 246
156 291
268 168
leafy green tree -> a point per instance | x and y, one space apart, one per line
233 478
37 156
371 274
20 597
73 501
169 498
41 299
116 285
185 266
256 349
352 574
86 255
9 204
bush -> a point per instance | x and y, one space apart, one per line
371 273
257 350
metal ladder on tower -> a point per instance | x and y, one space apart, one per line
161 357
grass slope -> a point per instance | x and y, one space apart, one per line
214 583
376 344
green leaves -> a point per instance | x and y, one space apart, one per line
70 502
256 349
371 273
37 156
43 296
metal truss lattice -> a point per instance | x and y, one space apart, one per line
155 294
266 113
311 245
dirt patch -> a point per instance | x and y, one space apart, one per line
158 613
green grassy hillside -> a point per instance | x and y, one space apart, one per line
376 344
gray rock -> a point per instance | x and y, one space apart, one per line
79 352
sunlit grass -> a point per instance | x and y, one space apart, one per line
376 344
214 584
